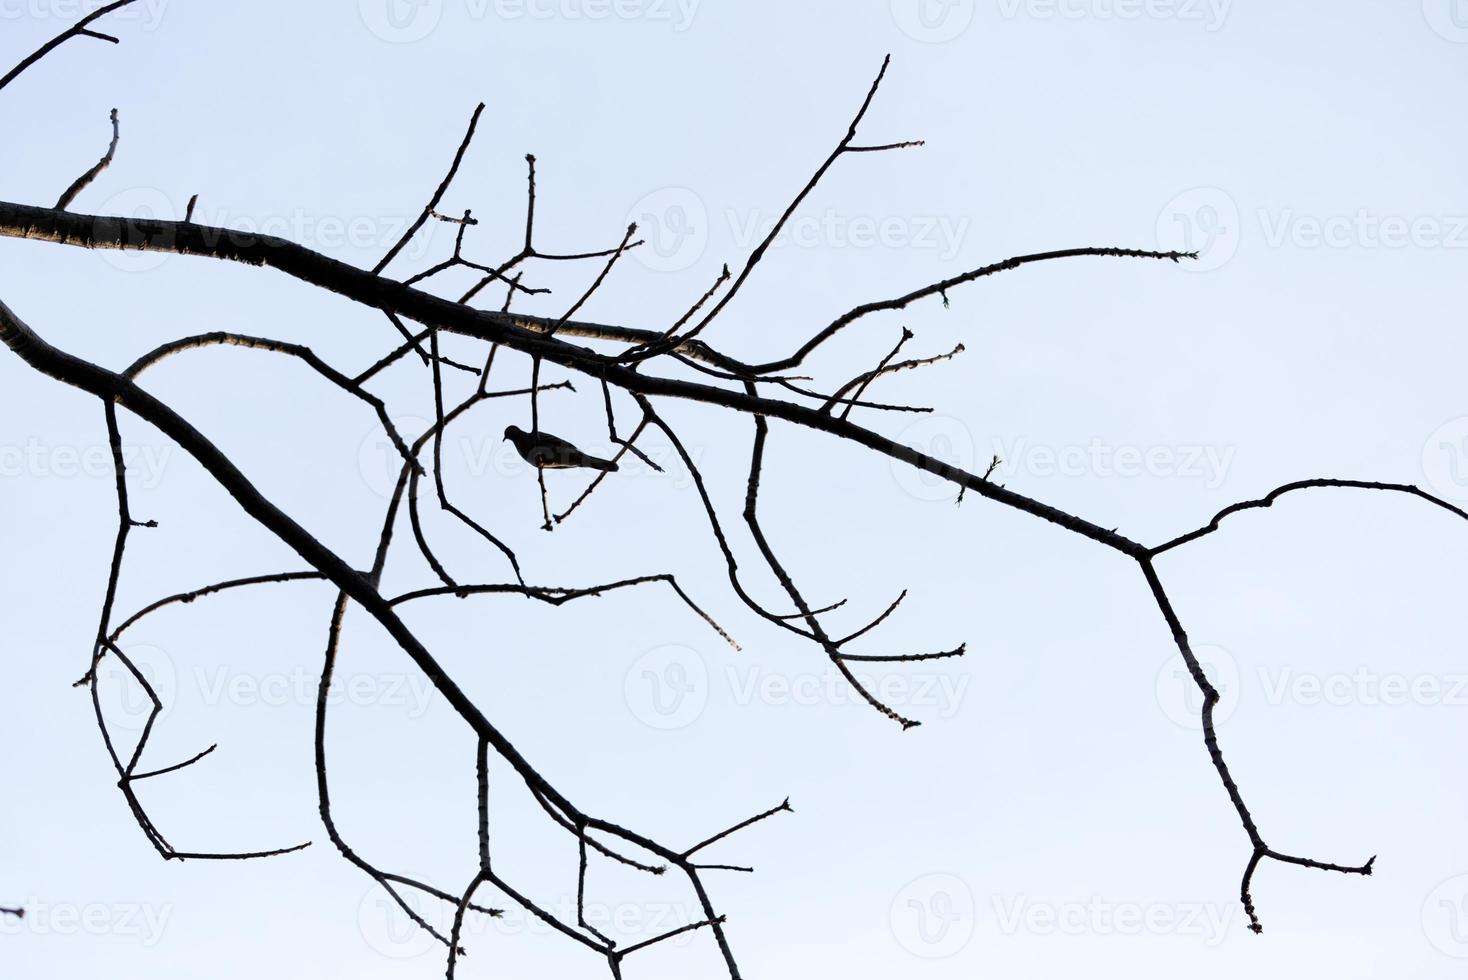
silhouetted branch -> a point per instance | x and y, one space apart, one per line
1269 499
784 807
728 384
81 28
845 146
862 380
81 182
437 195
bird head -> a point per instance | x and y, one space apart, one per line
514 432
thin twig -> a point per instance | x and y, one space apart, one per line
78 185
437 195
79 29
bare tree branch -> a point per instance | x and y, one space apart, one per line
443 187
81 28
81 182
729 384
1269 499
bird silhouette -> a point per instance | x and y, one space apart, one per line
548 452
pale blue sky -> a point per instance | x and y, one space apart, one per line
1056 813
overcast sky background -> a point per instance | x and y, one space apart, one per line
1056 812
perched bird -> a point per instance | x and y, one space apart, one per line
548 452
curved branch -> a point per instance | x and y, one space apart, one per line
1269 499
300 351
80 184
943 285
355 586
1211 698
188 597
556 596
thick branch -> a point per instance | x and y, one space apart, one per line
116 389
521 332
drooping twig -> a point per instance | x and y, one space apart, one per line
127 771
388 882
1269 499
630 444
557 595
1211 698
813 623
626 445
412 342
299 351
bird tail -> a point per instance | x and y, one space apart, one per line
605 465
